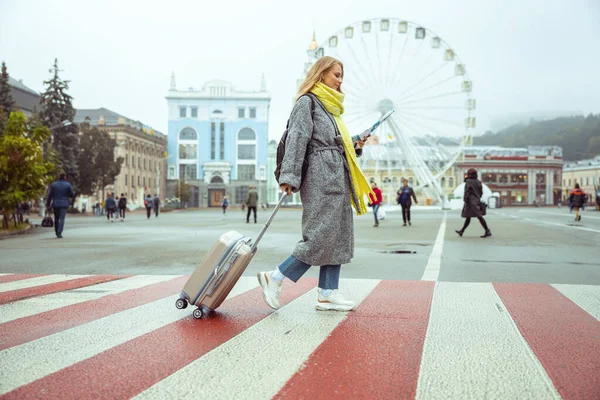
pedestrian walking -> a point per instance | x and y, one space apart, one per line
578 198
375 201
156 204
110 206
60 197
332 185
598 202
122 207
149 204
225 204
472 203
251 203
404 198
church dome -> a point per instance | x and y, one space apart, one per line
313 44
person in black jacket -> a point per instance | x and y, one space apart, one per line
110 205
472 203
122 206
60 196
404 199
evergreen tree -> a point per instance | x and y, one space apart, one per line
56 109
6 100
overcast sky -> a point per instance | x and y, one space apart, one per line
523 56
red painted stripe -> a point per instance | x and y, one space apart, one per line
18 277
126 370
19 294
564 337
375 353
23 330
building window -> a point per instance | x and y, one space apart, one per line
139 162
222 142
194 112
212 140
246 151
188 134
188 151
241 194
241 113
410 181
443 182
246 134
569 182
145 165
246 172
451 182
182 112
144 180
133 161
126 160
171 172
139 180
187 172
125 179
252 112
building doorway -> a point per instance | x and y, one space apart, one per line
215 196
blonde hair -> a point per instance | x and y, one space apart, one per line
317 73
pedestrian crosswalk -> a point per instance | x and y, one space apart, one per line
117 336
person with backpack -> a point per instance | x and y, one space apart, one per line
375 202
156 204
225 204
578 198
149 204
122 207
405 193
110 205
317 156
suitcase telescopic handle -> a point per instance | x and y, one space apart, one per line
255 243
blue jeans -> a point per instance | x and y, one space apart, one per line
59 219
375 209
329 275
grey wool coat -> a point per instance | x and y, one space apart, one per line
327 225
472 198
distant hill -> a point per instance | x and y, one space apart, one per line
579 136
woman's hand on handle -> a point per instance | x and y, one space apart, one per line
286 188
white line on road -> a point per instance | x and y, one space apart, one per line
561 225
584 214
432 270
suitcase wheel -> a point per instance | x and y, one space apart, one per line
198 313
181 304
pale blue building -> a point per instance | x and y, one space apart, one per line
218 140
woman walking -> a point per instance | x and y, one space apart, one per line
472 199
332 185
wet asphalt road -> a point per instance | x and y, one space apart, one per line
532 245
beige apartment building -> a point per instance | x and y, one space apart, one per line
143 149
584 172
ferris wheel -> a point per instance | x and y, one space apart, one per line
400 65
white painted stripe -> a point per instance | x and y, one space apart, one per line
585 296
25 363
268 353
432 270
473 349
37 305
537 221
38 281
571 215
5 274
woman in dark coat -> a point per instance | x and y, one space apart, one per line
472 199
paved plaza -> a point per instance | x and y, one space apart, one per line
439 316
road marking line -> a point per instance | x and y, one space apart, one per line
37 281
470 330
432 270
585 296
561 225
287 337
562 335
557 214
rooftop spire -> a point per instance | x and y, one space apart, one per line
173 85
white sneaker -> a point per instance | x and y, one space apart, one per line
271 288
335 301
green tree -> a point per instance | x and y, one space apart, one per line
57 107
184 192
96 163
6 100
24 174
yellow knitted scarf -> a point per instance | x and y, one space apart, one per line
334 103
